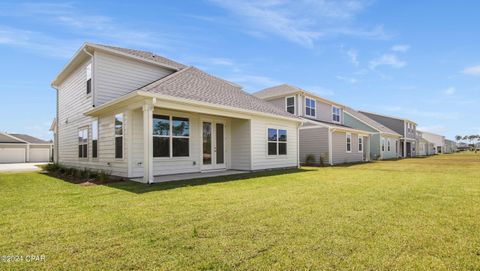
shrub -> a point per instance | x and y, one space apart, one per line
310 160
322 159
103 176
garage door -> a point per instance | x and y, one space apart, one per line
39 155
12 155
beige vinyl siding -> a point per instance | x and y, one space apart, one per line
339 149
115 76
72 103
241 152
260 158
315 142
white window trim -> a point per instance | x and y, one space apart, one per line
78 143
339 114
88 71
360 139
115 137
294 104
98 135
389 145
382 144
277 142
171 136
305 107
348 136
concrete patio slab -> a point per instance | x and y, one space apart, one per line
191 176
20 167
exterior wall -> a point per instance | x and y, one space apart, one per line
72 103
115 76
241 153
394 124
192 163
437 140
260 158
315 142
412 132
339 149
392 154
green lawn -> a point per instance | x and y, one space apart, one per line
411 214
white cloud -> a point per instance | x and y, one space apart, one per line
450 91
319 90
350 80
437 129
301 22
473 70
387 60
353 55
400 48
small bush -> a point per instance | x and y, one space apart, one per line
322 159
310 160
103 176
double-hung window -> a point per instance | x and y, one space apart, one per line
349 142
336 114
277 142
388 145
290 104
89 78
360 144
119 136
310 107
82 143
383 144
95 139
171 136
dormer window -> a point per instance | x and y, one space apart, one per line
310 107
290 104
89 78
335 114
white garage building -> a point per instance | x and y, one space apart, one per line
20 148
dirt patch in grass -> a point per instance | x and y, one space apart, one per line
82 181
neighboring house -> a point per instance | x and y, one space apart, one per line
406 128
323 133
424 147
384 142
450 146
462 146
20 148
437 140
137 115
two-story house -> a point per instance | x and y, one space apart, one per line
406 128
323 134
136 114
384 142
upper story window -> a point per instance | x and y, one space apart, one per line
89 78
277 142
95 139
310 107
290 104
349 142
119 136
82 142
171 136
336 114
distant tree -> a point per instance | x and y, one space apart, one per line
465 138
458 138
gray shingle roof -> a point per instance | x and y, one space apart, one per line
375 125
146 55
194 84
30 139
279 90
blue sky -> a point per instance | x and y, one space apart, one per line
415 59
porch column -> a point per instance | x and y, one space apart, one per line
147 143
27 156
404 148
330 146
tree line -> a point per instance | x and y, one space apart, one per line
470 138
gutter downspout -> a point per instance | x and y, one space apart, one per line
298 143
55 136
94 99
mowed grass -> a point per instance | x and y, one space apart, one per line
413 214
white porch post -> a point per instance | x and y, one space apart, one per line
147 143
404 148
330 146
27 156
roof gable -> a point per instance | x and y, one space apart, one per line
370 122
